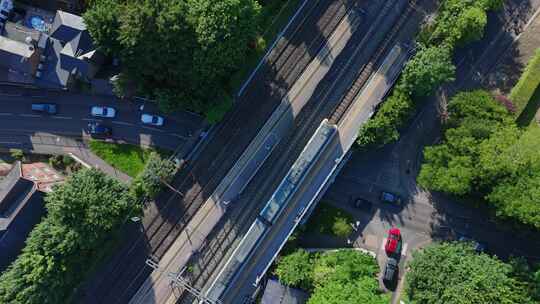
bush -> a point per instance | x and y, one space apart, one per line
55 161
296 270
151 180
342 228
17 154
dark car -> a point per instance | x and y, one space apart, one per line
390 270
388 197
362 204
95 129
48 108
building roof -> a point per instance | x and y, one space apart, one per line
16 55
277 293
66 26
22 206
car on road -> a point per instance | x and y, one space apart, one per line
390 270
103 111
478 247
393 242
154 120
47 108
362 204
96 129
389 197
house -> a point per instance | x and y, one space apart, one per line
69 52
22 206
18 57
277 293
53 5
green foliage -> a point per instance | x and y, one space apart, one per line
179 52
156 172
453 166
82 215
327 219
454 273
339 277
17 154
384 127
296 269
428 69
103 24
528 83
341 227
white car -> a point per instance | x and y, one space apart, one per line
154 120
101 111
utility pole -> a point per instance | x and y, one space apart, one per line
177 280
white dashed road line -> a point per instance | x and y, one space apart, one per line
404 250
122 123
152 129
383 243
6 114
62 117
29 115
92 119
179 136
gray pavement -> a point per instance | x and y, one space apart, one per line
74 115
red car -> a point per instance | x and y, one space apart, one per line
393 242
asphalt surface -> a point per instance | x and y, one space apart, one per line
17 119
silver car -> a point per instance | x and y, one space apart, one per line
154 120
102 111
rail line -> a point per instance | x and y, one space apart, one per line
242 217
165 225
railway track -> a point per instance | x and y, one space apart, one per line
166 218
240 218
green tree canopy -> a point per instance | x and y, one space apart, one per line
82 215
296 270
178 52
427 70
156 173
453 273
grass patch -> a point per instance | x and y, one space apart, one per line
527 85
127 158
526 117
274 16
327 219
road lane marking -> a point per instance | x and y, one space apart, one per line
29 115
10 95
179 136
383 243
6 114
38 96
153 129
62 117
404 251
92 119
122 123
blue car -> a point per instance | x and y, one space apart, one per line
388 197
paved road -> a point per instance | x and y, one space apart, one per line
74 115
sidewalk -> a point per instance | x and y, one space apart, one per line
51 144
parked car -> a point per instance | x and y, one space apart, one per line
362 204
393 242
102 111
150 119
47 108
388 197
478 247
96 129
390 270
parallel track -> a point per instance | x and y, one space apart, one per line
196 181
240 218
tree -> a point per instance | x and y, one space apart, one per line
455 273
341 227
83 213
296 269
103 25
470 26
427 70
156 173
365 290
343 266
384 127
